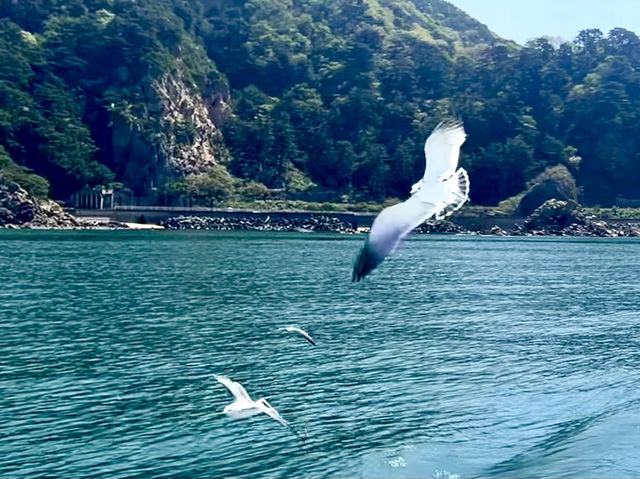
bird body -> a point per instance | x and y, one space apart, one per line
243 406
241 410
441 191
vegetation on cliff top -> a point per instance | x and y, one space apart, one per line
335 94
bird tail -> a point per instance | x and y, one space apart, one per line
459 193
463 186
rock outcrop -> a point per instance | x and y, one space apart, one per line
18 209
440 227
496 231
566 218
193 143
174 133
554 183
555 215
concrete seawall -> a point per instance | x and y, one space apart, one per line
156 214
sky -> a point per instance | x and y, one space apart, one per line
522 20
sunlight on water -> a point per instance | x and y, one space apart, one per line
458 357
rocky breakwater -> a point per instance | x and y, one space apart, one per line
18 209
440 227
251 223
566 218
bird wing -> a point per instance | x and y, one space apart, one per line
394 223
301 332
270 411
239 393
389 228
442 150
306 335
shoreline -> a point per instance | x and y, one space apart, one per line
552 218
322 223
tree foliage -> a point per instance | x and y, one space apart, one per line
203 188
34 184
363 83
340 95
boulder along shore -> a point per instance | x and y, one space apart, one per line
20 210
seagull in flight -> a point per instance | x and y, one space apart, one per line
441 191
243 406
301 332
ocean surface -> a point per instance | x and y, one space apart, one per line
460 356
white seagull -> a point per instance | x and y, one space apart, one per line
302 332
441 191
243 406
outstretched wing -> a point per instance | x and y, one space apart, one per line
389 228
239 393
301 332
307 336
266 408
442 151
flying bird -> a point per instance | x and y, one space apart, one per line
301 332
441 191
243 406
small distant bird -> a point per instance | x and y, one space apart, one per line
441 191
243 406
302 332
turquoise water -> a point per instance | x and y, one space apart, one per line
459 357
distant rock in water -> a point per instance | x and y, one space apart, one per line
566 218
249 223
18 209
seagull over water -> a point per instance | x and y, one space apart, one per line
301 332
441 191
243 406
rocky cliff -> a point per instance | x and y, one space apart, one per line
173 134
567 218
19 209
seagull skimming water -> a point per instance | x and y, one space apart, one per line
441 191
243 406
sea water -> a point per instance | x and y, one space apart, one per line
460 356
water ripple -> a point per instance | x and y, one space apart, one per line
459 357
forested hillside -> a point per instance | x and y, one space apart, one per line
325 96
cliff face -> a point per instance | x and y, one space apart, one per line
175 134
109 91
192 142
19 209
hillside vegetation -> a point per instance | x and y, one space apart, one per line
330 100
